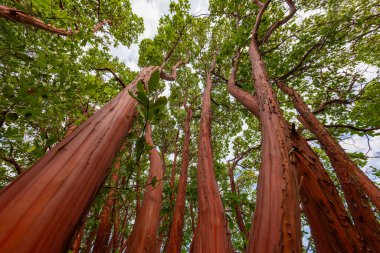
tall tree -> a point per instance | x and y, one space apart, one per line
211 233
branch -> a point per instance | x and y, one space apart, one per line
12 161
300 63
324 105
359 129
262 8
100 24
114 74
173 75
24 18
281 22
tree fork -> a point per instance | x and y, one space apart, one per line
323 205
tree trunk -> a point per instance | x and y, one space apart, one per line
174 169
211 232
78 240
353 181
143 237
72 172
236 205
276 222
330 225
174 241
104 231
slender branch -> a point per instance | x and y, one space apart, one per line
173 75
114 74
281 22
100 24
262 8
324 105
359 129
24 18
303 59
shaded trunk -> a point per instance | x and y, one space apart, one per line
138 176
104 231
330 224
72 172
211 234
143 237
276 222
353 181
174 241
116 224
174 169
236 205
89 240
78 240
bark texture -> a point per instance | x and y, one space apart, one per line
143 237
236 205
105 226
211 233
330 224
24 18
72 172
175 238
353 181
276 222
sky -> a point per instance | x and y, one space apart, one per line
152 10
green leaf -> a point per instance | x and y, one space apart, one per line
154 80
31 149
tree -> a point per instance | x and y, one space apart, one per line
289 83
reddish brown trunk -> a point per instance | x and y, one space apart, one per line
174 241
124 225
78 240
174 168
143 237
330 225
276 222
72 172
104 231
192 217
138 176
160 240
211 234
236 205
116 224
89 240
353 181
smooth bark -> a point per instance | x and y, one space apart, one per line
143 237
104 231
276 222
72 172
355 184
330 224
238 212
175 238
211 233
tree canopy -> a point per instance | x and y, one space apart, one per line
57 70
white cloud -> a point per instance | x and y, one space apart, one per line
151 11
